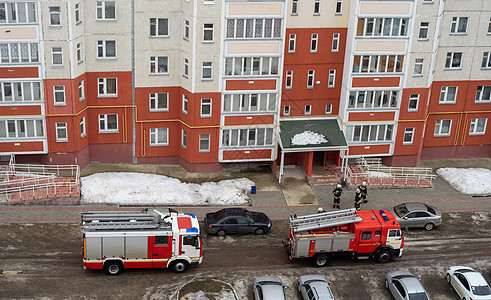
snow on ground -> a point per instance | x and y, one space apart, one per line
378 174
146 189
308 138
468 181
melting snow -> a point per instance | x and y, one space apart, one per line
468 181
308 138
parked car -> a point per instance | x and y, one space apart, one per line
468 283
417 215
268 288
314 287
403 285
236 220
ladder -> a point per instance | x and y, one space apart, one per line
324 220
141 225
117 216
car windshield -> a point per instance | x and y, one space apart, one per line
418 296
431 210
481 290
270 283
401 210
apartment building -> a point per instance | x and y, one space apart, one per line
203 83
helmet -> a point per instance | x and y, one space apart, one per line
357 190
364 183
338 186
320 209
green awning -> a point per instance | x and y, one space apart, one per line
326 132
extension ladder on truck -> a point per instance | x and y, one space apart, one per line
324 220
117 216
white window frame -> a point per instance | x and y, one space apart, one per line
54 11
81 90
13 14
308 110
210 28
102 82
489 26
104 118
36 127
413 98
486 60
11 53
424 30
31 91
186 30
331 82
155 99
410 132
185 67
207 66
444 95
289 79
154 62
101 7
455 25
60 127
59 89
57 54
373 133
286 110
184 138
235 138
317 7
257 66
418 67
78 16
314 42
184 104
156 133
373 99
155 26
207 102
310 74
80 58
335 42
439 126
450 60
292 43
481 93
339 7
473 126
102 49
83 131
294 11
328 109
202 139
243 102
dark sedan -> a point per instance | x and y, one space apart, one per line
236 220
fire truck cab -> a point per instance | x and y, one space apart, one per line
115 240
374 234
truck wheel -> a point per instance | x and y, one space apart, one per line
384 256
321 260
113 268
179 266
221 232
429 226
259 231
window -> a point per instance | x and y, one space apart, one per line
339 7
159 27
378 63
382 27
59 94
489 26
19 52
207 32
486 60
253 28
286 110
20 91
78 19
442 127
308 109
185 71
82 127
454 60
246 66
159 136
106 49
369 133
207 70
107 87
310 79
448 94
478 126
423 30
61 132
459 25
294 7
161 240
20 12
418 67
373 99
108 123
159 102
247 137
159 65
413 102
366 235
265 102
55 16
186 29
185 104
57 54
483 94
183 138
313 42
328 109
204 143
21 128
289 80
292 43
317 7
408 136
335 42
332 78
79 53
106 10
205 108
81 90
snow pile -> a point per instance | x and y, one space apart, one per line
378 174
200 295
468 181
308 138
146 189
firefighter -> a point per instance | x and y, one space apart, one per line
364 191
357 199
320 210
337 196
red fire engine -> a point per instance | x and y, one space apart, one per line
115 240
364 234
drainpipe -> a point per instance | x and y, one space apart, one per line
133 152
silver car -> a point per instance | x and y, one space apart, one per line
314 287
417 215
405 286
268 288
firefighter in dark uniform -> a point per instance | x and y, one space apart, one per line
364 191
337 196
357 199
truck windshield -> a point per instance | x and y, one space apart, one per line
401 210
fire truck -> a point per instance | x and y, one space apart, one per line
118 240
373 234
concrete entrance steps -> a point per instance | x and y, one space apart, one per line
325 175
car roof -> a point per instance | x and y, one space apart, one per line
411 206
413 285
271 286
